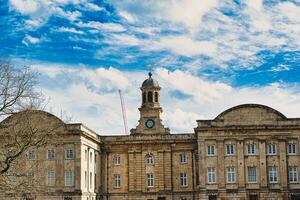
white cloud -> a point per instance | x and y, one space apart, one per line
110 27
181 45
27 40
92 6
25 6
70 30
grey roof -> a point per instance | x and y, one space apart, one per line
150 82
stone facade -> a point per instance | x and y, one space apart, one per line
247 152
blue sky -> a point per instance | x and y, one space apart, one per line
207 55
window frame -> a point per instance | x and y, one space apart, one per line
149 180
117 181
272 149
295 149
52 153
31 154
182 158
231 175
211 175
273 174
251 149
67 154
251 175
116 160
183 179
69 178
295 175
210 150
149 159
231 151
50 178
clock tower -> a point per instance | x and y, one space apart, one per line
150 121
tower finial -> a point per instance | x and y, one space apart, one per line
150 74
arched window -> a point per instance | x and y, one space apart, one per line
156 96
149 159
150 97
144 97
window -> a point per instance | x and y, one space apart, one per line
211 175
144 97
117 180
156 96
182 158
293 174
229 149
69 154
272 149
273 178
150 97
251 149
31 154
85 155
149 159
50 154
251 174
69 178
230 175
91 157
291 149
50 178
210 150
183 180
150 180
117 160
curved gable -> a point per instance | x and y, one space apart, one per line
250 114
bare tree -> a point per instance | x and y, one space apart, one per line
21 130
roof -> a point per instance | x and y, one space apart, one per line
150 82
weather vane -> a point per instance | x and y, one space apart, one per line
150 67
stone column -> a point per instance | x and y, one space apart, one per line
241 166
220 167
283 163
202 167
160 177
140 173
131 171
168 170
263 163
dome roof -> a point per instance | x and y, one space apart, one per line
150 82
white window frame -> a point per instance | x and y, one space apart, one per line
69 154
231 178
211 175
116 160
150 180
31 154
292 149
69 178
251 149
183 179
293 174
117 181
182 158
229 149
149 159
252 175
50 154
273 174
50 178
272 149
210 150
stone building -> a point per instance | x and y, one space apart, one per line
247 152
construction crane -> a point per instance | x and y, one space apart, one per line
123 112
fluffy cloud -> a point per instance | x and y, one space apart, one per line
91 96
27 40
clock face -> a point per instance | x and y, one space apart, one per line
150 123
